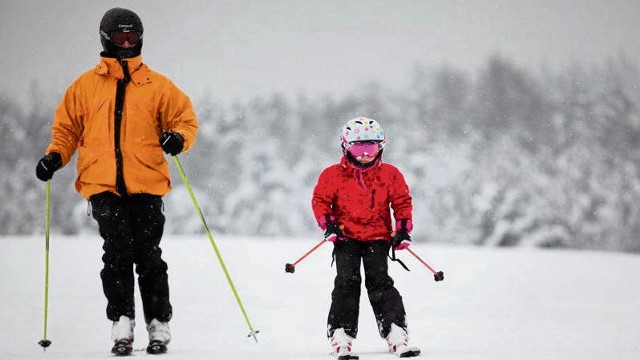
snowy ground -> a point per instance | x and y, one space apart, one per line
494 303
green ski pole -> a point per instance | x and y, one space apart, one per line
44 342
215 248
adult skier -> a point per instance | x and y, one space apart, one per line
352 203
121 116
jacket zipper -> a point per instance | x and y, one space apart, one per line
121 188
373 196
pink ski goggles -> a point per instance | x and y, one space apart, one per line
364 148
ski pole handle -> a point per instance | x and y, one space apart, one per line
438 275
291 268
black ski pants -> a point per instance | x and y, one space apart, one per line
345 299
131 228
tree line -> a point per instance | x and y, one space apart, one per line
501 157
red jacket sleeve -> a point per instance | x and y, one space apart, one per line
400 198
324 193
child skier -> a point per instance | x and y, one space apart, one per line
352 202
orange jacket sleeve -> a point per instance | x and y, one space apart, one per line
67 127
177 115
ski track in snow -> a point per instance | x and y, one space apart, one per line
493 304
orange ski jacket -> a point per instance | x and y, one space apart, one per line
85 120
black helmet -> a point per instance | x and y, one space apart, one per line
120 20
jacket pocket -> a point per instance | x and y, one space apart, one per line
140 123
95 166
86 158
98 126
373 199
153 161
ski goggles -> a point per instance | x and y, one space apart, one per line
364 148
120 38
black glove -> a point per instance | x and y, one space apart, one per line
333 231
171 142
401 240
48 165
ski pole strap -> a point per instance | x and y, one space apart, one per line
394 258
333 256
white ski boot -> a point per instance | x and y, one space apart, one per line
341 345
398 341
159 337
122 335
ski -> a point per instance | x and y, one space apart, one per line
122 348
410 352
156 347
348 357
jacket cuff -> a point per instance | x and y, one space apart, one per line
405 224
323 220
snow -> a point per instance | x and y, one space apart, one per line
517 303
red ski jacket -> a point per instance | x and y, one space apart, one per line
362 199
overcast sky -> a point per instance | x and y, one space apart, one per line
239 48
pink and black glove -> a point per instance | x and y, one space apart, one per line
401 240
332 230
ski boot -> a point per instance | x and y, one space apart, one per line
122 336
398 341
159 337
341 345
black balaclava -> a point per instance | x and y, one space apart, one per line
119 19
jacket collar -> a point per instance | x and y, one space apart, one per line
109 66
358 172
345 163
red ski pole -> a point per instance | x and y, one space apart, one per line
438 275
290 268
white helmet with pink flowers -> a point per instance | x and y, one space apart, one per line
361 129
